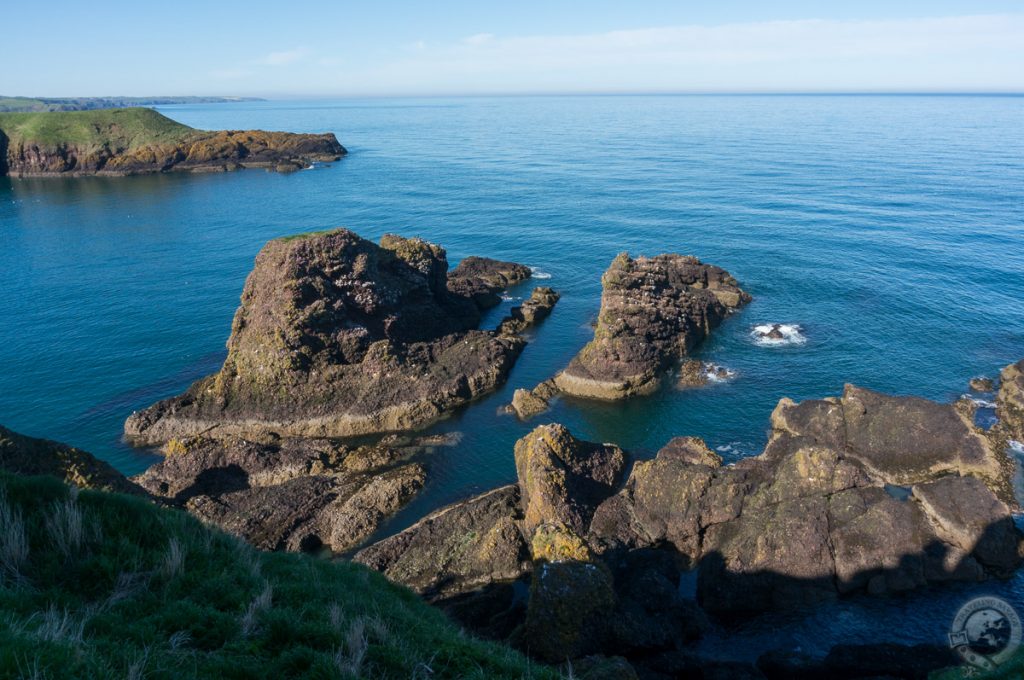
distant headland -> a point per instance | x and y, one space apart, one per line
134 141
39 104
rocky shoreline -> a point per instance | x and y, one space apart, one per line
581 559
864 494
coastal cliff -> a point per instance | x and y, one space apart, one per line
138 141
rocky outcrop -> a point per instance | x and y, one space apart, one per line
654 311
30 456
528 403
295 494
338 336
562 479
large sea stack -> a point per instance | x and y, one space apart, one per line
338 336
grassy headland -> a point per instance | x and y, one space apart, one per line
99 585
140 140
116 128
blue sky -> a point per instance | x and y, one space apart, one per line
528 46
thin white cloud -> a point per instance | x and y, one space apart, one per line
478 39
284 57
973 52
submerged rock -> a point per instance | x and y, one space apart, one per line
654 311
30 456
337 336
296 494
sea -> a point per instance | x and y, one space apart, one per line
885 233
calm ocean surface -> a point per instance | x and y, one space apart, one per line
890 228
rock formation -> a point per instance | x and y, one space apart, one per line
337 336
295 494
141 141
654 311
30 456
866 493
817 514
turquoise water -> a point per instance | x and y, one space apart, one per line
891 229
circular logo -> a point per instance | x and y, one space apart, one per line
986 632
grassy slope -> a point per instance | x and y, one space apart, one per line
116 128
114 586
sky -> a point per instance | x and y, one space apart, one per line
448 47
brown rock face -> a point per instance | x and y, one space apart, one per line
482 279
198 152
337 336
457 549
534 310
654 311
1010 401
563 479
297 494
820 512
30 456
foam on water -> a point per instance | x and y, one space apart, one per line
716 373
978 401
1017 447
792 334
539 273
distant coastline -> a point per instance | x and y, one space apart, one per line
139 140
42 104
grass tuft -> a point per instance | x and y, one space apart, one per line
13 544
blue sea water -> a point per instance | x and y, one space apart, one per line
889 228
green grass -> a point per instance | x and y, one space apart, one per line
98 585
115 128
304 235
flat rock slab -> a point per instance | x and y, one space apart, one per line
293 495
